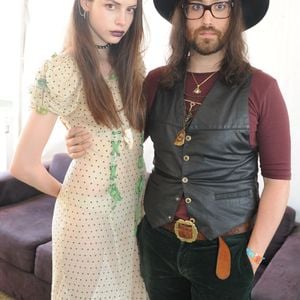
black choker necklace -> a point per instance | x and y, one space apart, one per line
103 46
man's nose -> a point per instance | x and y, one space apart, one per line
207 17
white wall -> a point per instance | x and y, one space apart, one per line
274 47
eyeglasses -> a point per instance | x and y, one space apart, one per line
196 10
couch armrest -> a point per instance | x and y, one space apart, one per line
13 190
281 278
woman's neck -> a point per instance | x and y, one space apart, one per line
104 65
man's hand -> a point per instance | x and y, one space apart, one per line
78 140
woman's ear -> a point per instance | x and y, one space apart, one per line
85 4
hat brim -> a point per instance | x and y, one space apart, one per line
253 10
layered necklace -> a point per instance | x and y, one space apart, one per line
189 100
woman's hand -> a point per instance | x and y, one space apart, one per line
78 141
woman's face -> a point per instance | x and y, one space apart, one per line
109 20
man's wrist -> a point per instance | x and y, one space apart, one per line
253 256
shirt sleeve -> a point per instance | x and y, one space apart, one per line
269 125
56 87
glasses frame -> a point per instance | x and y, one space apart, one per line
205 8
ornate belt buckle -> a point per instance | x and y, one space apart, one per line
186 230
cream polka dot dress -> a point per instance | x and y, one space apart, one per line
96 213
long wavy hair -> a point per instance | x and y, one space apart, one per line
234 66
126 60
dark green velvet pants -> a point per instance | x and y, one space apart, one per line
174 270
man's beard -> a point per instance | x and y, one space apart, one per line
206 46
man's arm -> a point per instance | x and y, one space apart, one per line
78 141
271 208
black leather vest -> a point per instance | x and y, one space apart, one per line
215 169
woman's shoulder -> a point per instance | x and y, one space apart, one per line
61 74
61 66
57 84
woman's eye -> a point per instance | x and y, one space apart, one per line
110 6
131 10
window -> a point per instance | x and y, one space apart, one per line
10 62
38 31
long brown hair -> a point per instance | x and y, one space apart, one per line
125 58
234 65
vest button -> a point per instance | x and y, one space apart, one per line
185 180
177 198
188 200
170 218
188 138
186 158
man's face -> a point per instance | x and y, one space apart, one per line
206 35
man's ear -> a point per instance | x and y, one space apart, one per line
85 4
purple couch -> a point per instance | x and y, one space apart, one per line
25 245
25 235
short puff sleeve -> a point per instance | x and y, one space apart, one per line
57 86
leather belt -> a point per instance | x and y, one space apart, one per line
183 229
186 230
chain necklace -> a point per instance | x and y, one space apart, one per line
197 89
180 137
181 134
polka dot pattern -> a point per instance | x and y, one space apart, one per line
94 246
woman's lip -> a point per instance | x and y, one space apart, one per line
117 33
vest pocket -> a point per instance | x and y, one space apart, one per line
233 195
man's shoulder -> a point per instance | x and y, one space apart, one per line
155 74
259 76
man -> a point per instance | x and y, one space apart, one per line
202 196
211 115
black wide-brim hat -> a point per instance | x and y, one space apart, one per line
253 10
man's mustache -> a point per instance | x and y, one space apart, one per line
207 29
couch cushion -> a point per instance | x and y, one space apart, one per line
59 166
286 226
43 262
24 226
281 279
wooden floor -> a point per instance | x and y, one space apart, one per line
4 297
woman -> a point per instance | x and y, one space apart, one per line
96 83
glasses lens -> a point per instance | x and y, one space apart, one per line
194 11
221 10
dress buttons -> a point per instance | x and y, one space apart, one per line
186 158
188 200
185 180
188 138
